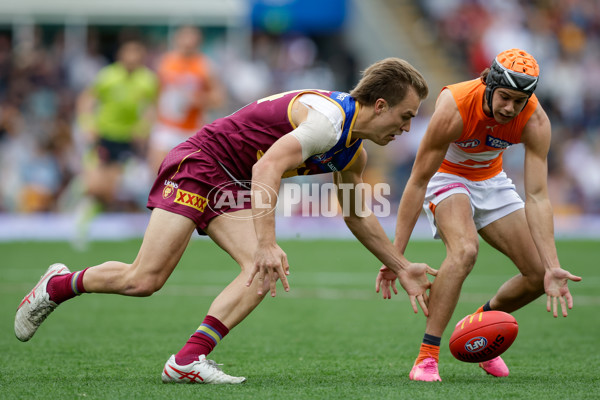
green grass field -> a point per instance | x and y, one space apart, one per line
330 337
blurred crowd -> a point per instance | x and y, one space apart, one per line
57 144
45 127
564 36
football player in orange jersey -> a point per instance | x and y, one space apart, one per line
189 87
458 179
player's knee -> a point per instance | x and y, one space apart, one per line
463 257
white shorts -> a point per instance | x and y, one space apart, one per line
166 137
491 199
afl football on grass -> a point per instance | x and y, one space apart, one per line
483 336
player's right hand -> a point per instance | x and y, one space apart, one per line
269 262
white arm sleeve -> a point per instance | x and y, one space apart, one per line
322 128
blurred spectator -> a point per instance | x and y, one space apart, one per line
189 86
283 63
41 179
582 162
84 64
33 104
14 148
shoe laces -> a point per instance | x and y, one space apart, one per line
213 364
215 370
430 366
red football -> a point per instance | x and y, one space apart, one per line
483 336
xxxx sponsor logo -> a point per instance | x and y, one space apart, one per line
191 200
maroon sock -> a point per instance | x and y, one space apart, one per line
207 336
65 287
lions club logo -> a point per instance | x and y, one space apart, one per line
169 189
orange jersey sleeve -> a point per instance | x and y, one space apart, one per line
477 154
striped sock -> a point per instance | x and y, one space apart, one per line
64 287
207 336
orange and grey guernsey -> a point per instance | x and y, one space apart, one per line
180 79
477 154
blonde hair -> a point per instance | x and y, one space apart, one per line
390 80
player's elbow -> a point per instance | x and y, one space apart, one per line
260 168
354 221
351 221
418 181
538 200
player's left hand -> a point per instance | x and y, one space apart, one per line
414 281
555 285
386 281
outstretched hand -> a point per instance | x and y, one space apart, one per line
386 281
555 285
414 281
270 262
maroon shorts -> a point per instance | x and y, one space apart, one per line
193 184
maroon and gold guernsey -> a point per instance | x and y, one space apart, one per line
225 151
240 139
